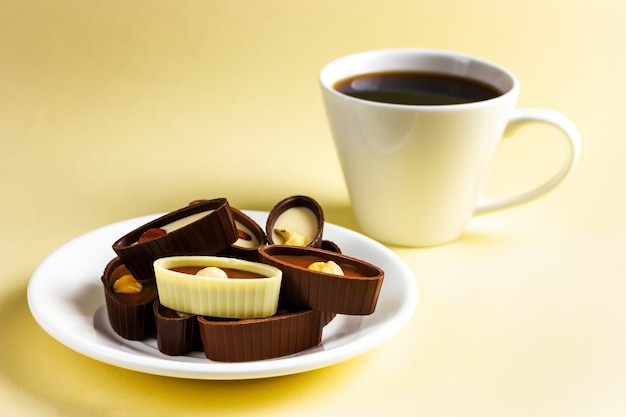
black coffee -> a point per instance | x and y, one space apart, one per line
416 88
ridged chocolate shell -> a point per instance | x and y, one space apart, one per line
355 293
258 339
328 317
176 335
292 202
330 246
208 235
130 316
237 250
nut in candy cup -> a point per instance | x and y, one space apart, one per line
236 298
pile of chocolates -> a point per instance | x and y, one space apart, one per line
207 277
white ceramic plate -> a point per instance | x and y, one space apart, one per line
66 298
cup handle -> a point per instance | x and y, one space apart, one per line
551 117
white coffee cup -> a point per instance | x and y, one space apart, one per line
416 173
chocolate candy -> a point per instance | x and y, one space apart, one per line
250 291
296 221
177 333
355 292
289 331
203 228
250 238
130 314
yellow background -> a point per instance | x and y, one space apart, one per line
114 109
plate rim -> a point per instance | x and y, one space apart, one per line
292 364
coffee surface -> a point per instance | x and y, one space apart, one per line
416 88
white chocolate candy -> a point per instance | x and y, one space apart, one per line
236 298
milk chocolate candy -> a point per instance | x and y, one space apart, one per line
355 292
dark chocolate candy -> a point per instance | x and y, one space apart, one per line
288 332
130 315
177 333
330 246
208 235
